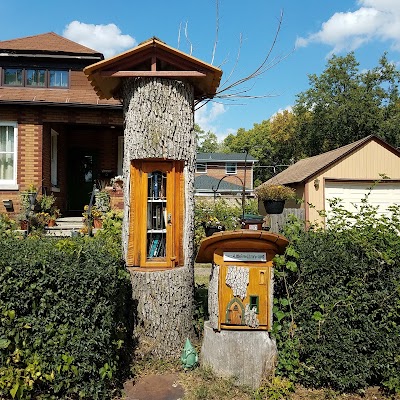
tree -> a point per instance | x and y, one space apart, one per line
344 105
208 142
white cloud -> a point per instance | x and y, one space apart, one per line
207 118
280 111
106 39
347 31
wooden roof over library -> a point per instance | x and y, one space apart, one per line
153 58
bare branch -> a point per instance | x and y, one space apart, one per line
236 90
216 30
187 38
179 35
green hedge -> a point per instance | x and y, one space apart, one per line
337 302
64 323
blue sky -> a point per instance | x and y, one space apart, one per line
311 31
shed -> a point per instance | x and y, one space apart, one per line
346 173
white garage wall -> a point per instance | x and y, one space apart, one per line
382 195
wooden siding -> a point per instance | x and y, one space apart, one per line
367 163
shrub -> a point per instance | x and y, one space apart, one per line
337 304
64 325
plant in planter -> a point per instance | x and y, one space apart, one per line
102 201
212 224
47 205
274 196
95 216
117 182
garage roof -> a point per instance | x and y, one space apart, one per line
306 168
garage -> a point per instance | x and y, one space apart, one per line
381 195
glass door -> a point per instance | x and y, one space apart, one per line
157 217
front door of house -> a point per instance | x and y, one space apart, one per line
82 173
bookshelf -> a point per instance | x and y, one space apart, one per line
157 214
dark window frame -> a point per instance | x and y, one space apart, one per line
202 170
25 84
231 168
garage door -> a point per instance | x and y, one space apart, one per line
382 195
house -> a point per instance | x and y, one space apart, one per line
224 174
55 132
346 173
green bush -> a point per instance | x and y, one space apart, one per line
64 326
337 304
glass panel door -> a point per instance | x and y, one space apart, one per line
156 214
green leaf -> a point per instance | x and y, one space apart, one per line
284 302
14 390
4 343
279 315
291 266
317 316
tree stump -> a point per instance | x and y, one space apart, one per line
159 124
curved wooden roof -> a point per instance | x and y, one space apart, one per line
244 238
153 58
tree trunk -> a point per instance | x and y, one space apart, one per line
159 124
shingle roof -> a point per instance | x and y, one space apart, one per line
207 183
85 96
234 157
47 42
53 45
304 169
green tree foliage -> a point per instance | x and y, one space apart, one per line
343 105
207 142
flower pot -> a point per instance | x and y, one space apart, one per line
52 222
24 225
274 206
97 223
209 230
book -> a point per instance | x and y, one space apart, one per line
153 246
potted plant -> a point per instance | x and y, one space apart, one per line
274 197
212 225
117 182
95 216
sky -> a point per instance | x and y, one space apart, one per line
233 35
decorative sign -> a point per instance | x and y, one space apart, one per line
245 256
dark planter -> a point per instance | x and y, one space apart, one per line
274 206
213 229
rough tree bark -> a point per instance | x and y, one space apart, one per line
159 122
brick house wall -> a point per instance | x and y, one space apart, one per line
76 127
217 171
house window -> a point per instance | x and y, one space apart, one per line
13 76
8 155
201 168
231 168
58 78
35 77
54 162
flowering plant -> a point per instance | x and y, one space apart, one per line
94 212
213 221
118 178
274 192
